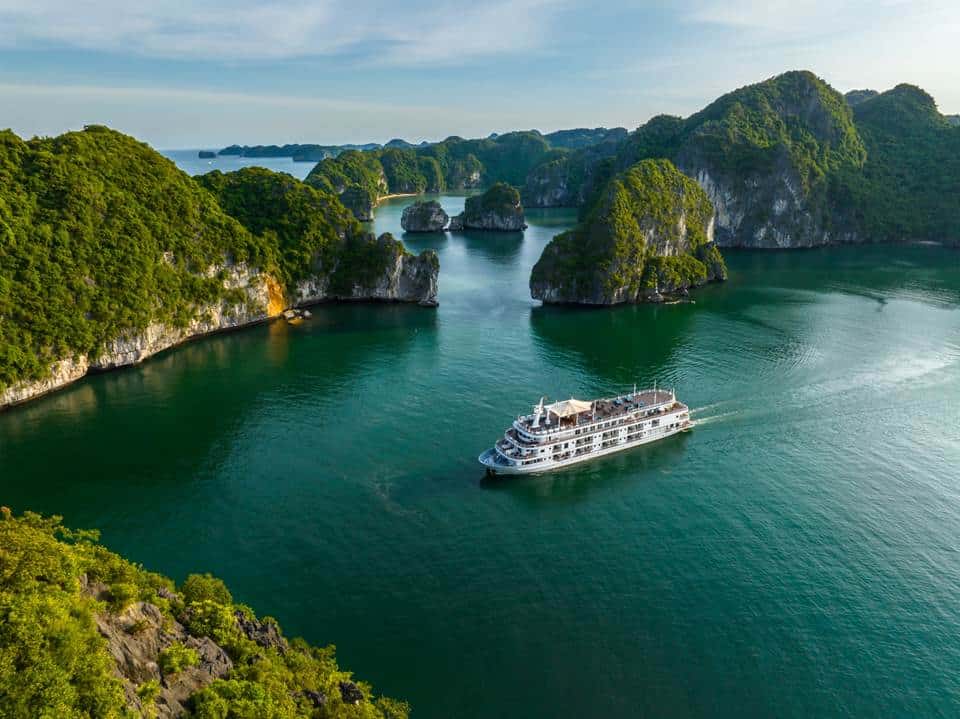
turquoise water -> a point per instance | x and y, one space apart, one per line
797 554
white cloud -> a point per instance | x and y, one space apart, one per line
392 33
878 44
172 118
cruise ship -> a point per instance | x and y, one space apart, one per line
564 433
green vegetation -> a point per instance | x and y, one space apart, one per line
907 189
797 162
306 228
363 169
453 164
54 663
501 198
99 236
647 230
177 657
790 136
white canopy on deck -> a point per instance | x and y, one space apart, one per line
569 407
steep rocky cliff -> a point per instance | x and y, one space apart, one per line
111 254
789 162
765 154
497 209
256 297
88 634
649 234
424 217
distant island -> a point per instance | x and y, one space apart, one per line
790 162
156 257
454 164
206 154
178 257
117 640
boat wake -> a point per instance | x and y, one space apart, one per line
699 420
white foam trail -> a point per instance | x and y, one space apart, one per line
698 421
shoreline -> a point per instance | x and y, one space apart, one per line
268 319
398 194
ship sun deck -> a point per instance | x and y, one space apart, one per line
571 431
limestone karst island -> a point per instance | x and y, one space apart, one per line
508 360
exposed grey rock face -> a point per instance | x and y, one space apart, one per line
266 634
764 192
650 235
405 278
135 638
498 209
424 217
359 202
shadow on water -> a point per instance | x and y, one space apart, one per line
579 483
201 397
501 248
645 338
918 272
417 242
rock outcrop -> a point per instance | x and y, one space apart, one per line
648 235
135 638
424 217
360 202
768 155
393 275
497 209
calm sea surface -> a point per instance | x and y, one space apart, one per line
796 555
190 162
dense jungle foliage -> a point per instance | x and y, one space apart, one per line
55 582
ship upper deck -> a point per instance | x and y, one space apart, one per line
566 417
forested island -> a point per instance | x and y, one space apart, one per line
790 162
498 209
454 164
111 254
86 633
649 234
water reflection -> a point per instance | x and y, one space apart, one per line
152 428
578 483
919 272
500 248
616 346
417 242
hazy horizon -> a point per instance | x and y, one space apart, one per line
329 72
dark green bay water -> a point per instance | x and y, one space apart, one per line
795 555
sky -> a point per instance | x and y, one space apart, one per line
182 74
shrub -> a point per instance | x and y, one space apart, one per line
178 657
205 587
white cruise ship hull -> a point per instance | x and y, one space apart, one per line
583 431
489 458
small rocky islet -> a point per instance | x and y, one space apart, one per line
498 209
424 217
